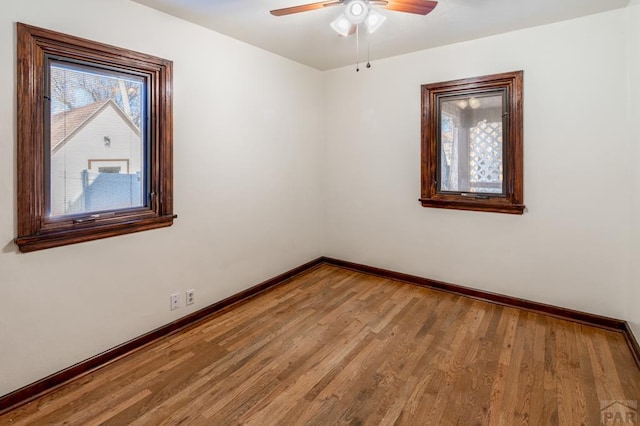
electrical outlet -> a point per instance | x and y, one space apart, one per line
191 296
175 301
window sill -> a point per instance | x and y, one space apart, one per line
474 205
64 237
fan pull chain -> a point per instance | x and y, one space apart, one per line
357 48
368 49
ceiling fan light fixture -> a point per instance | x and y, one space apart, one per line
341 25
356 11
374 20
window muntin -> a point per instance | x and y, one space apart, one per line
472 144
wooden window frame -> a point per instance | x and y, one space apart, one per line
511 201
35 230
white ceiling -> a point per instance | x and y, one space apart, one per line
307 38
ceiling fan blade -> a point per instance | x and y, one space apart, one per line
420 7
305 7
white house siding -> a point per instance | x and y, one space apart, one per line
68 163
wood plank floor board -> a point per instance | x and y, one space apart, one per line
335 346
550 399
536 407
515 401
586 372
477 387
566 413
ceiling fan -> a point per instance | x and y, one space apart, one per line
420 7
357 12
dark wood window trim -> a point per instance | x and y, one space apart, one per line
35 232
512 200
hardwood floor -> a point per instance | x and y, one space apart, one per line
333 346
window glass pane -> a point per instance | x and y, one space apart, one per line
96 140
471 157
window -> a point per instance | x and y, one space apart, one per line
109 169
472 144
94 140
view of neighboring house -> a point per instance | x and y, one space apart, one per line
90 146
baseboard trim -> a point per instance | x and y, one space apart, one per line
632 342
34 390
586 318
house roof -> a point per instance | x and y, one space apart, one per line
67 124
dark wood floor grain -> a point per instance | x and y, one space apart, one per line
334 346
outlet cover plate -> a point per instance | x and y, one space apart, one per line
191 296
175 301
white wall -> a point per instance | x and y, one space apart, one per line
571 247
634 155
247 144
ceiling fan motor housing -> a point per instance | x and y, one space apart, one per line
356 11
